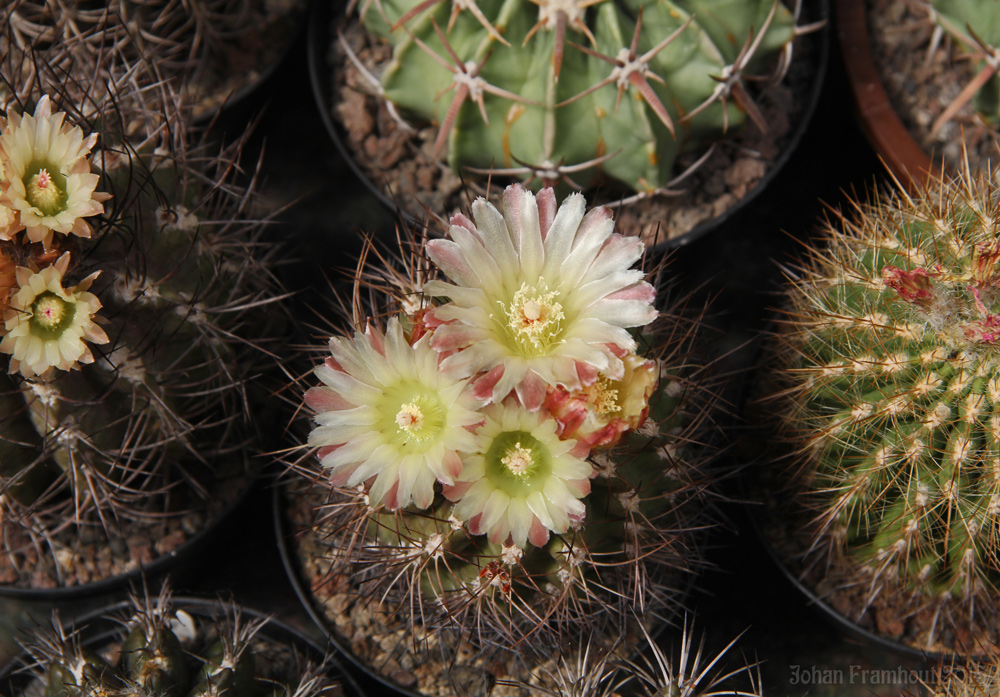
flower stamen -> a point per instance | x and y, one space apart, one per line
605 397
518 459
49 311
410 418
44 193
534 317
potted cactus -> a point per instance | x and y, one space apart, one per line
163 646
690 671
886 391
434 98
213 53
133 297
505 455
927 95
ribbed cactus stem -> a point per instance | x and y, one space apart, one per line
892 359
612 90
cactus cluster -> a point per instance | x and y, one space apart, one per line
890 395
585 92
132 294
166 648
505 459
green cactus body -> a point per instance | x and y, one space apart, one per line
547 127
169 652
962 19
894 361
640 513
152 420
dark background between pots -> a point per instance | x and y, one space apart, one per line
737 264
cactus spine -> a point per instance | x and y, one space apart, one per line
131 278
890 394
580 91
163 650
976 28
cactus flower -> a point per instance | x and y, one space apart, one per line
8 279
46 325
538 296
47 180
386 411
601 413
523 481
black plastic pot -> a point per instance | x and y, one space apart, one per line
284 533
321 77
97 629
246 102
175 562
847 625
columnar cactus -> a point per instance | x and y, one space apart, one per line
128 282
976 28
587 91
165 650
891 394
492 464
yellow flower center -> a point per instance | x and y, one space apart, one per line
518 459
45 190
517 463
49 311
605 397
410 418
51 316
534 319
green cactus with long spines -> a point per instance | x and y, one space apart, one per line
476 595
975 24
525 94
890 390
166 650
159 417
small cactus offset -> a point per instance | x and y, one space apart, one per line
690 671
975 26
890 392
587 91
165 650
507 460
132 296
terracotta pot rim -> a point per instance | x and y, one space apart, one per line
882 126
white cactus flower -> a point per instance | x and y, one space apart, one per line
538 296
46 325
522 481
47 183
385 411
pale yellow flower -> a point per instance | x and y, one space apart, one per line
385 412
46 325
522 481
538 296
47 181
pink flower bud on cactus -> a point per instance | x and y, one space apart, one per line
599 414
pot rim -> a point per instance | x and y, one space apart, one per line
163 563
204 606
317 43
755 510
282 530
881 124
